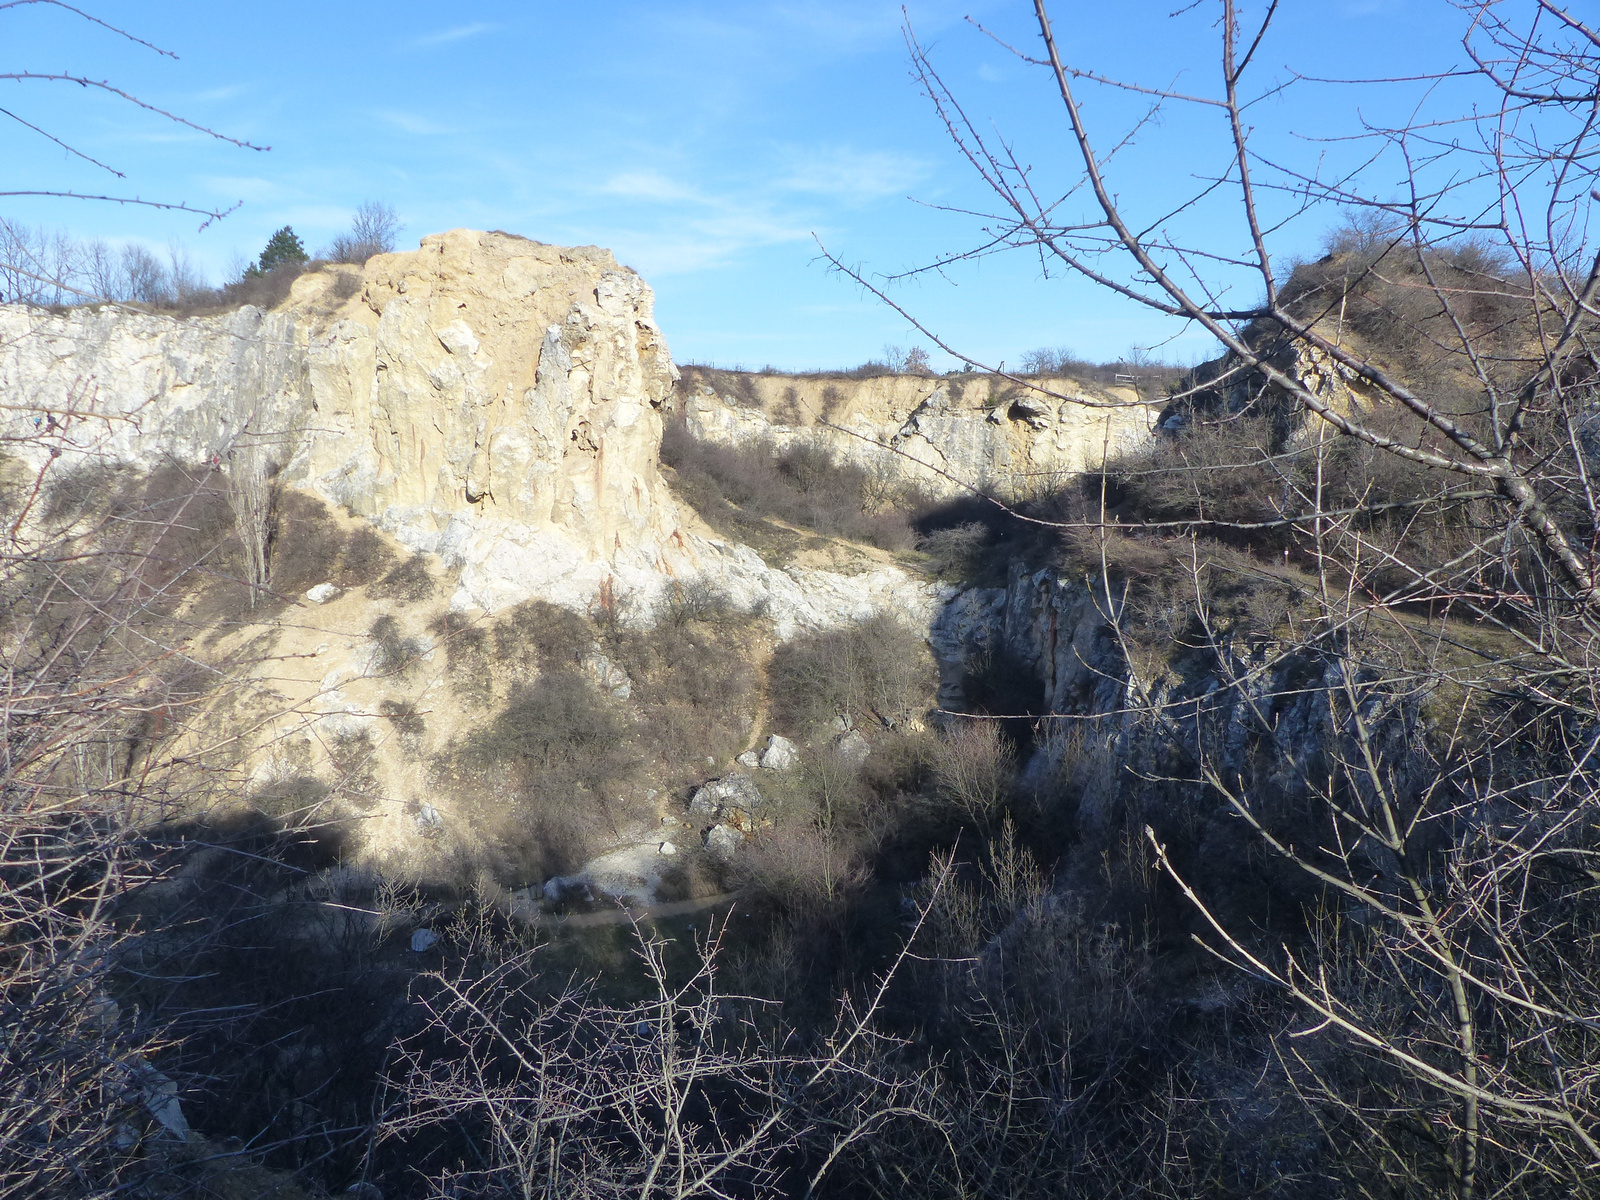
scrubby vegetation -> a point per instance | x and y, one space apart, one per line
762 496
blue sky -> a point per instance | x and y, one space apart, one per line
706 143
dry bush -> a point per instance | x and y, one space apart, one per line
975 771
810 870
408 723
539 636
350 761
1152 375
364 557
556 733
877 672
543 775
697 600
522 1081
1061 1065
804 485
75 1064
263 291
488 655
954 553
309 547
286 993
695 682
392 652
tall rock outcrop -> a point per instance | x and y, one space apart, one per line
490 399
505 397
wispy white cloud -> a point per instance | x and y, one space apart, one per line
659 253
990 73
652 186
673 222
669 226
459 33
843 26
246 187
850 176
410 122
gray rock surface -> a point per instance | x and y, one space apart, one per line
609 676
780 755
723 842
852 749
723 796
423 940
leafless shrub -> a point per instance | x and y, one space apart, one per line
974 771
309 547
392 652
877 672
407 721
410 582
365 557
550 765
690 1092
697 599
695 682
954 552
808 868
372 231
734 487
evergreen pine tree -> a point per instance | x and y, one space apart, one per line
282 247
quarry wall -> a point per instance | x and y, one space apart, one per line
944 433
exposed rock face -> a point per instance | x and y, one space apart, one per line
491 400
510 397
113 386
1123 760
944 431
487 398
1226 387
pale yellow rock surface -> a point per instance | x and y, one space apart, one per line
506 397
946 434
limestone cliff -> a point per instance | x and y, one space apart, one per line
943 433
487 398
